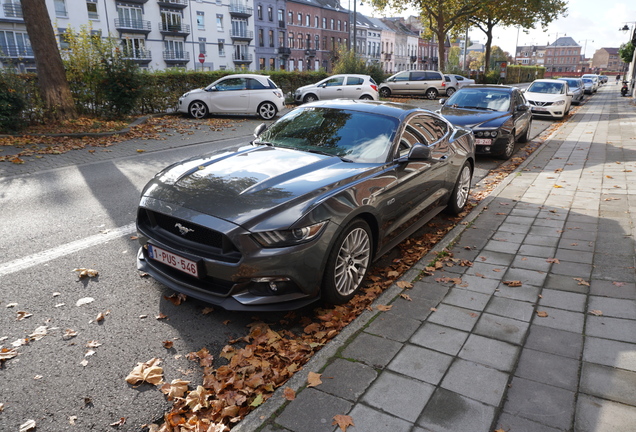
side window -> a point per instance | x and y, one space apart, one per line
231 84
418 76
459 78
433 76
409 137
335 82
254 84
431 128
354 81
402 76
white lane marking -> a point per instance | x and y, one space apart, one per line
65 249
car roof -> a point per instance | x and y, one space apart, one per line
391 109
490 86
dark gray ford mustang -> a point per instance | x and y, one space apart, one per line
301 212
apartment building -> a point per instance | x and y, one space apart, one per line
563 55
607 60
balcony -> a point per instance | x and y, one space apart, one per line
413 59
178 4
133 26
174 29
136 1
176 57
12 10
310 53
283 51
16 52
142 56
242 58
241 10
246 35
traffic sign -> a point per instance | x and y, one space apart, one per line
202 58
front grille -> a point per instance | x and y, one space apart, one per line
540 104
187 236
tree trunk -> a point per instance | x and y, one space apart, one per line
54 88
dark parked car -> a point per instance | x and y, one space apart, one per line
300 213
498 115
577 88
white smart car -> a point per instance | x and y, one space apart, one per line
235 94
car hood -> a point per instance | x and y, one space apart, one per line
251 183
544 97
195 91
307 87
474 118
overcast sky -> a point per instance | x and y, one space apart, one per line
593 24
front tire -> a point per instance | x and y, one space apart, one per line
431 94
385 92
198 109
509 148
348 263
310 98
459 196
450 91
267 110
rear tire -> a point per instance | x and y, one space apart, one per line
450 91
431 94
366 97
459 196
526 135
348 263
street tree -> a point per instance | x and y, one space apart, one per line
524 14
54 88
440 17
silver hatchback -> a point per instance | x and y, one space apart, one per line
343 86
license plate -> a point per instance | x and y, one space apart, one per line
483 141
173 260
539 109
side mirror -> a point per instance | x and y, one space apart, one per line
523 107
419 152
442 101
259 129
211 88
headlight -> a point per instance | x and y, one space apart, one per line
291 237
185 95
559 102
278 94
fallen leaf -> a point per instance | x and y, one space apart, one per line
176 389
512 283
596 312
29 425
404 284
167 344
343 421
384 308
120 422
84 272
313 379
84 301
542 314
39 333
22 315
7 353
149 372
406 297
69 334
433 309
71 420
258 400
207 310
84 362
10 305
92 344
289 394
553 261
176 298
100 317
618 284
161 316
582 282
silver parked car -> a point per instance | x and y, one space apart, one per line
301 212
235 94
577 88
344 86
416 82
455 82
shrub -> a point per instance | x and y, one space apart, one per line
12 102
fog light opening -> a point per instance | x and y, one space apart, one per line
273 285
487 148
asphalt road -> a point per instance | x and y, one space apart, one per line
82 216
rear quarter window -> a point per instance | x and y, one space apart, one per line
433 76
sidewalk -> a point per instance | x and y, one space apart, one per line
557 352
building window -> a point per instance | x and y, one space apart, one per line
60 8
316 21
261 63
174 49
324 23
201 20
91 7
290 17
171 20
270 13
61 35
219 22
261 42
271 38
332 27
134 48
300 19
259 12
130 17
307 20
15 44
272 64
281 39
221 45
202 42
300 41
281 17
339 25
308 42
290 40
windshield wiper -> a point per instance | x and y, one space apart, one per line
342 158
479 108
259 142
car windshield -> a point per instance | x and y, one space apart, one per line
587 80
483 99
546 87
352 135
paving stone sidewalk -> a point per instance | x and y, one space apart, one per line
557 353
